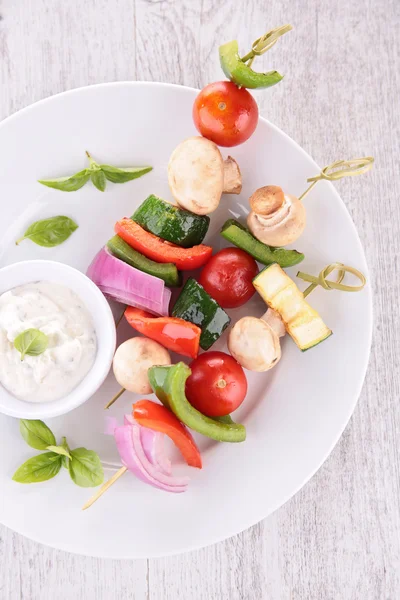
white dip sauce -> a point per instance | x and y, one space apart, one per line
59 313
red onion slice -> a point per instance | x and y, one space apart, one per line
134 458
128 285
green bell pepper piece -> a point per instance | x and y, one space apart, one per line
168 383
165 271
240 73
237 234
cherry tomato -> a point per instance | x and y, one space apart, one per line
217 385
228 277
225 114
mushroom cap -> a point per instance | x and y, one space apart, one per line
132 361
196 175
281 227
254 344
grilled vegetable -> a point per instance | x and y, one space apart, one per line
238 235
175 334
168 384
302 322
171 223
159 250
196 306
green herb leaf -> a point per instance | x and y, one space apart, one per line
99 180
39 468
85 468
123 175
68 184
59 450
32 342
50 232
36 434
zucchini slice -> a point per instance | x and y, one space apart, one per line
302 322
171 223
196 306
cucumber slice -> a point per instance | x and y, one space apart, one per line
196 306
302 322
165 271
237 234
171 223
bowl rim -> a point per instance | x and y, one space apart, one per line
103 359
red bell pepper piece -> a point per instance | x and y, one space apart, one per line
160 250
157 417
171 332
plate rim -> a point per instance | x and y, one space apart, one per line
365 358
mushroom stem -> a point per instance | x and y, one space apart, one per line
232 177
267 200
115 398
104 487
274 320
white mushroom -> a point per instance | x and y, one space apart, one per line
132 361
198 175
274 320
276 219
254 344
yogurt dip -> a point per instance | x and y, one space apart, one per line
59 313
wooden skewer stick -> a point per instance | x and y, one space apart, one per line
340 169
114 398
105 487
120 318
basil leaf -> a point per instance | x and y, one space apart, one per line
59 450
85 468
39 468
50 232
65 459
36 434
99 180
122 175
32 342
68 184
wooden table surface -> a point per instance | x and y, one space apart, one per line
339 537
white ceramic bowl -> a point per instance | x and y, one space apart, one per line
45 270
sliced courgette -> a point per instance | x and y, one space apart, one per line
302 322
171 223
196 306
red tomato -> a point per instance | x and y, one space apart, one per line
225 114
228 277
217 385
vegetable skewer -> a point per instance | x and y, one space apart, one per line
278 219
239 69
258 348
138 445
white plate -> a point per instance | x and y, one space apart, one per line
294 415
